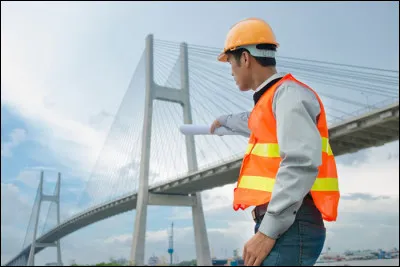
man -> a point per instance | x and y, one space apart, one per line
288 171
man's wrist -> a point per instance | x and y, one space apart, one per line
222 119
265 236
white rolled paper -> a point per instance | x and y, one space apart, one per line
191 129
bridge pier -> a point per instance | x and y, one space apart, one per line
200 234
30 261
199 225
156 92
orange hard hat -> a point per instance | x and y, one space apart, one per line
250 31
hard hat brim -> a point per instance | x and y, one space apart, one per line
223 57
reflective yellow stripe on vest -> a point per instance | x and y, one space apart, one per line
267 184
271 150
326 147
325 184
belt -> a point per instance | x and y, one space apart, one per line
259 211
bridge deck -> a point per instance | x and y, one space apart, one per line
374 128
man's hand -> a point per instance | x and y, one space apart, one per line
257 249
214 126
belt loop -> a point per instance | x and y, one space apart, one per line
254 215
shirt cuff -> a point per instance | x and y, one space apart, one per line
275 225
223 119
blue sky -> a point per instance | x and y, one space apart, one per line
66 67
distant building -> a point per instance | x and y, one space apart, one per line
228 262
154 260
219 262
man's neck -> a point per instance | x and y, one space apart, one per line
261 76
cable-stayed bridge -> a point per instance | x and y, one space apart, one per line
145 160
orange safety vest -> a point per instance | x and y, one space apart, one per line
262 160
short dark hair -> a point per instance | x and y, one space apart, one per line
263 61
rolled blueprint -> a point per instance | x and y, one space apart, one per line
191 129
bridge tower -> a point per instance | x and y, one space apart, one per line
144 197
42 198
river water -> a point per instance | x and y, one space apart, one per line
385 262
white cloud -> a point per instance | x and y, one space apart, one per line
377 174
119 239
76 81
377 206
17 136
15 211
30 178
74 95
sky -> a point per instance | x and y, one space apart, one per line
65 68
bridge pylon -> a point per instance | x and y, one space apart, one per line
36 213
144 197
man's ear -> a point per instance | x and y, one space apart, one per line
246 59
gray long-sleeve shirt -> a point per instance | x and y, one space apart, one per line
296 109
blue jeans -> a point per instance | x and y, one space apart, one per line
302 243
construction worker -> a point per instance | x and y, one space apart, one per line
288 171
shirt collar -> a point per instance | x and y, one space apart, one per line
273 77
